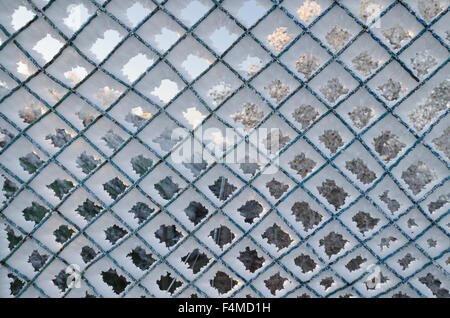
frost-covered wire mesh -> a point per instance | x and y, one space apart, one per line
348 196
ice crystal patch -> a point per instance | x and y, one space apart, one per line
115 233
327 282
137 116
302 165
34 213
385 242
16 285
141 164
435 286
37 260
114 187
249 167
13 239
251 65
87 254
107 95
117 282
63 234
9 188
306 64
30 113
88 210
31 162
5 137
355 263
87 163
59 139
369 9
113 140
60 280
61 187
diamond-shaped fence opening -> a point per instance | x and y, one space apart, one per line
224 148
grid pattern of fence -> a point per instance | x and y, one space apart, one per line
136 223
